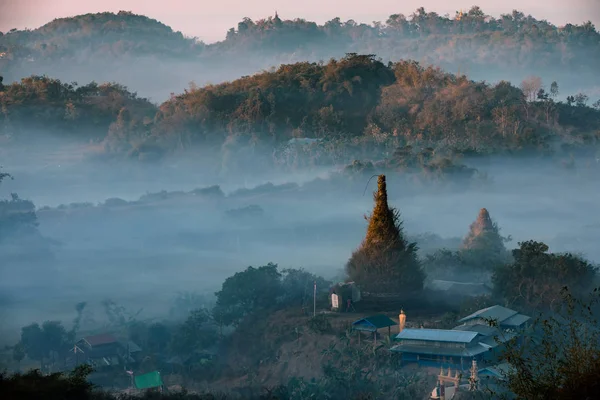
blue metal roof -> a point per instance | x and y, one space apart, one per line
496 312
437 335
485 330
516 320
499 371
440 351
373 323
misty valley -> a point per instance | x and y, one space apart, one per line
143 251
355 228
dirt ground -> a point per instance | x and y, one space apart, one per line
294 350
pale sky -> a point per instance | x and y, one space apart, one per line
209 20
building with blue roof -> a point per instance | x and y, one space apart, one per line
475 339
504 317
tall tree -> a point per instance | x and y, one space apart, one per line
554 90
385 261
247 292
581 99
18 354
531 86
535 279
32 340
195 334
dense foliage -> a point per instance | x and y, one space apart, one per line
535 279
40 103
102 35
560 359
468 40
403 103
264 289
356 106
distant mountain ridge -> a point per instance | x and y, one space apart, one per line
128 32
143 53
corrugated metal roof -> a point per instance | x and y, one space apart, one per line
128 344
97 340
440 351
374 322
485 330
496 312
516 320
437 335
499 371
500 337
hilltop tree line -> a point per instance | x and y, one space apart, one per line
471 39
355 102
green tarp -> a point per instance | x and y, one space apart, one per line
148 381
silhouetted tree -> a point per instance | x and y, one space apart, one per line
246 292
554 90
581 99
559 357
195 334
159 336
531 86
535 278
19 353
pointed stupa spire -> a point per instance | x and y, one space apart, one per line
382 224
481 225
276 19
483 233
385 261
484 220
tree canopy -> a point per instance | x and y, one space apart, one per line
535 278
354 106
465 41
560 356
264 289
246 292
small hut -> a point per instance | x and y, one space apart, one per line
373 324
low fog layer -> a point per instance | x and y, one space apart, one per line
142 255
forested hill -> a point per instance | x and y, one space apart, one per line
105 34
355 102
144 53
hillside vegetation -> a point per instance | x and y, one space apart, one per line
357 106
96 35
511 46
